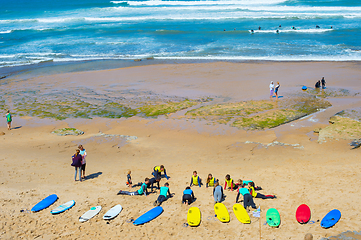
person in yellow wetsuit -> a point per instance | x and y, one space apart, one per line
195 180
211 181
157 172
258 195
229 182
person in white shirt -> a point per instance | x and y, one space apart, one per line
271 89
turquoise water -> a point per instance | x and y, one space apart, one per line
76 30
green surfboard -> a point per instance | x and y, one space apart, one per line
273 217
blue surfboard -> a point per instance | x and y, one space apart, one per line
148 216
46 202
331 218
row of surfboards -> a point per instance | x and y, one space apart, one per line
303 213
112 213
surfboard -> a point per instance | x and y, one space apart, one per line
331 218
303 213
113 212
63 207
194 217
90 214
148 216
273 217
221 212
241 213
46 202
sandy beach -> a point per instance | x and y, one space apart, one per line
287 160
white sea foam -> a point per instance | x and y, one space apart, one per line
4 32
180 3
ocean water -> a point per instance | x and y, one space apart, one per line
76 30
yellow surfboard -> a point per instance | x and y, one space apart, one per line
241 213
221 212
194 217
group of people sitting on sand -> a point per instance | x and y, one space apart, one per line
245 188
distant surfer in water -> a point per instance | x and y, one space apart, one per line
259 28
252 31
317 26
280 25
277 31
294 28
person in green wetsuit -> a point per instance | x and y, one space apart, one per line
9 119
141 191
163 195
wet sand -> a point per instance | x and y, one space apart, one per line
36 163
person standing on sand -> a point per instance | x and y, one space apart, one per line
271 89
323 82
83 162
77 160
276 89
9 119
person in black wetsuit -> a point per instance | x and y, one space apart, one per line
188 196
151 183
323 82
318 84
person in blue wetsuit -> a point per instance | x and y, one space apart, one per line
188 196
247 198
141 191
163 195
217 192
157 172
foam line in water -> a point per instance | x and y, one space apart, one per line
180 3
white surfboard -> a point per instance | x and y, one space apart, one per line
113 212
90 214
63 207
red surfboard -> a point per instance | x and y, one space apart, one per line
303 213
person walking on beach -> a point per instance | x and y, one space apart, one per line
9 119
271 89
83 162
276 89
77 159
323 82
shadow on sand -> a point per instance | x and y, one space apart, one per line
93 175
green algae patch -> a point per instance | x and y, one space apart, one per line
263 114
154 110
328 92
224 113
268 119
231 109
68 131
341 128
